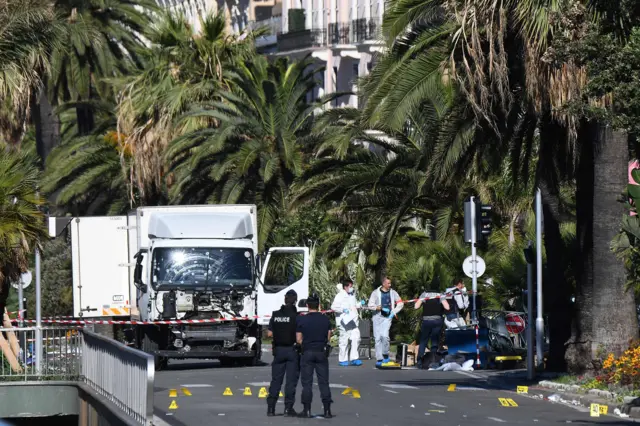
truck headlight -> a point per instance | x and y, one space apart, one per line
178 343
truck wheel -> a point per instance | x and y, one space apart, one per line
150 345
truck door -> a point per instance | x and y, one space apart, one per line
285 268
99 248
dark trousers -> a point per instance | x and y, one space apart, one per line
285 359
431 328
315 361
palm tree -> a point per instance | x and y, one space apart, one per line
182 69
102 39
23 226
497 56
29 31
257 150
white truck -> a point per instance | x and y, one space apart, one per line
183 263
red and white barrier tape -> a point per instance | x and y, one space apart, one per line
74 321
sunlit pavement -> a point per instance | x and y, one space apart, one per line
396 397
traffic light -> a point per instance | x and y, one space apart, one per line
483 221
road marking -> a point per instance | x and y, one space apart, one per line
471 388
392 386
197 385
338 386
466 373
259 384
438 405
390 391
495 419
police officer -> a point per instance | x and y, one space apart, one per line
282 327
314 333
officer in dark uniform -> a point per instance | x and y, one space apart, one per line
286 358
313 333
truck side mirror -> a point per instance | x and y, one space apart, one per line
258 264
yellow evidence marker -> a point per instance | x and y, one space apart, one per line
247 391
227 392
173 406
523 389
281 394
595 410
173 393
604 409
355 393
451 388
186 391
263 393
347 391
504 402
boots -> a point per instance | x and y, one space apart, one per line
306 412
327 411
290 412
271 410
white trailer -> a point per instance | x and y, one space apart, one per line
181 263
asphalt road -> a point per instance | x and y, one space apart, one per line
404 397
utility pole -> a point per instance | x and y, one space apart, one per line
529 256
539 319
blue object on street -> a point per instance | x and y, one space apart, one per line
356 362
343 364
463 342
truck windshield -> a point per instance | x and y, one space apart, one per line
197 267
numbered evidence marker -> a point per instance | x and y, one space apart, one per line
507 402
173 406
451 388
347 391
604 409
227 392
263 393
595 410
173 393
186 391
247 391
523 389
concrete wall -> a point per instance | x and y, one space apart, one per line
47 399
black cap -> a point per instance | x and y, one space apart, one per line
313 297
291 293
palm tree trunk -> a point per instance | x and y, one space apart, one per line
555 286
613 310
47 125
606 316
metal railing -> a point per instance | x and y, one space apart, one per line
337 33
274 24
61 352
121 374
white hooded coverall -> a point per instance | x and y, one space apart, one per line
342 301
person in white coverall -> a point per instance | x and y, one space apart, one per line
345 306
387 303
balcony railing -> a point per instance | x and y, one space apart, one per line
335 34
302 40
273 24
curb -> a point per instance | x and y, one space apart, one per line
630 405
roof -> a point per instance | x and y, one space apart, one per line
200 225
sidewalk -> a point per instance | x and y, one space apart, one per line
570 394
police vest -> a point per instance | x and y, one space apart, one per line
283 326
432 307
